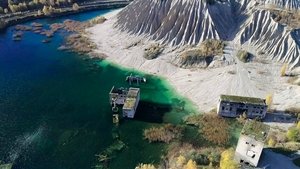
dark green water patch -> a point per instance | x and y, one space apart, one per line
55 112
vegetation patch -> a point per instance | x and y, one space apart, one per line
243 56
201 55
213 128
257 129
153 51
165 133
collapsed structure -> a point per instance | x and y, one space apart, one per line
235 106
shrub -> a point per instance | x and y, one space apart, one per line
203 53
227 161
243 56
214 129
153 51
293 134
163 134
272 142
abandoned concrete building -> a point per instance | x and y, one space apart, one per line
251 143
128 98
131 102
234 106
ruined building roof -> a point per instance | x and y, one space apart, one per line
242 99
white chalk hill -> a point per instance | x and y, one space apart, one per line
180 22
177 21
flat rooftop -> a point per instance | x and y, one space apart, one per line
129 103
242 99
258 130
133 92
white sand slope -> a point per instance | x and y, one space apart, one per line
262 32
202 86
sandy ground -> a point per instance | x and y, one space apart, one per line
201 86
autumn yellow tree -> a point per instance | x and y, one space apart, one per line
269 100
191 165
181 160
272 142
283 69
227 161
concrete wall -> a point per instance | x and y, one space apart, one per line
248 150
230 109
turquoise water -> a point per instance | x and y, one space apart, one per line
54 109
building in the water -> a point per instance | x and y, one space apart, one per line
234 106
128 98
251 143
117 95
131 102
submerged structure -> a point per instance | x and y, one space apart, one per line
251 143
234 106
128 98
135 79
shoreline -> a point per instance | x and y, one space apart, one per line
7 22
202 86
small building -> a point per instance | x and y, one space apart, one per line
131 102
234 106
251 143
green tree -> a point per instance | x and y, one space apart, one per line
227 161
1 10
